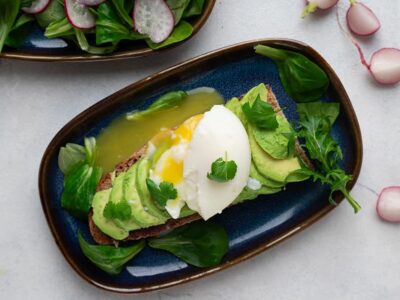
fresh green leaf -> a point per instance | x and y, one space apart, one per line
60 28
69 156
260 114
54 12
178 7
222 170
302 79
162 193
110 259
8 14
166 101
124 10
82 42
19 31
181 32
120 210
316 120
26 3
194 8
201 244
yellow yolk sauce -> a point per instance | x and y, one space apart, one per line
123 137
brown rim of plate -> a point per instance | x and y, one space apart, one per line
162 75
197 24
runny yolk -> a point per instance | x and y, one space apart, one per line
172 170
185 131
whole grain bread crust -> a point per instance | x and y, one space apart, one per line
106 183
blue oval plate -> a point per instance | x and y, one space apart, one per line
253 226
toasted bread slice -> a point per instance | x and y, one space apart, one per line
105 183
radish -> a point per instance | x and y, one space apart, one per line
91 2
37 7
361 20
154 18
313 5
79 15
388 204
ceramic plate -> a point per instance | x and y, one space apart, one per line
253 226
37 47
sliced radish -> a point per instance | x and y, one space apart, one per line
79 15
388 204
154 18
361 20
91 2
37 7
313 5
385 65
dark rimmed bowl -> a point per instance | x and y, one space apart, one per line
38 48
252 226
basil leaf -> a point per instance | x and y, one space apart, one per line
108 258
194 8
8 14
181 32
69 156
222 170
120 210
166 101
19 31
260 114
162 193
178 7
302 79
316 120
201 244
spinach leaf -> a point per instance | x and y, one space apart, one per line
69 156
178 7
124 10
166 101
81 41
26 3
80 183
201 244
8 14
302 79
260 114
60 28
109 26
54 12
181 32
194 8
222 170
108 258
316 120
19 31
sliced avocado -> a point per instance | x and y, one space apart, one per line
107 226
265 181
144 194
186 211
249 194
235 106
139 213
275 169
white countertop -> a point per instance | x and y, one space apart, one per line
342 256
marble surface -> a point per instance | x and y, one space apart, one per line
343 256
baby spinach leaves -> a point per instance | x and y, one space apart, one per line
260 114
181 32
163 192
110 259
222 170
201 244
8 14
302 79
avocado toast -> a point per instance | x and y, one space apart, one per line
271 165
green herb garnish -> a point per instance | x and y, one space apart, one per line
201 244
120 210
260 114
222 170
163 192
302 79
109 258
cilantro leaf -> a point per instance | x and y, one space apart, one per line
260 114
120 210
222 170
162 193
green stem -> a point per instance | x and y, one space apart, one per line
351 200
270 52
309 8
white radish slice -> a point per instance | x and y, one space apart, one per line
385 65
313 5
91 2
37 7
361 20
154 18
388 204
79 15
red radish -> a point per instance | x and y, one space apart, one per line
37 7
313 5
361 19
91 2
79 15
388 204
154 18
